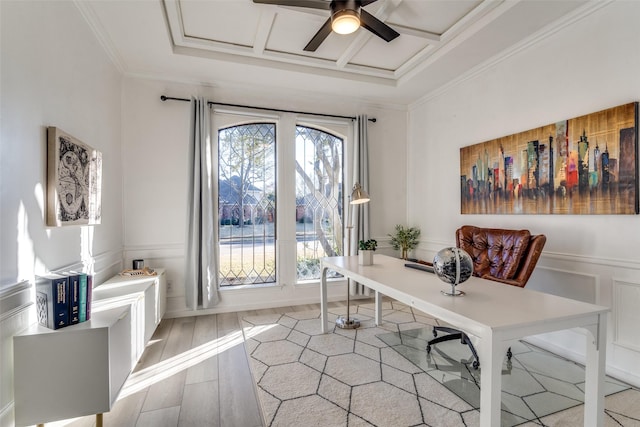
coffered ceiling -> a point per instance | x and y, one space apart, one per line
240 42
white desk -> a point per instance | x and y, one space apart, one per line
495 313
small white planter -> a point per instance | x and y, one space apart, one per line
365 257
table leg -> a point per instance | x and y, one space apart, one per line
323 300
98 420
594 373
491 358
378 308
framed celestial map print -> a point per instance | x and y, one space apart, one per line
74 180
587 165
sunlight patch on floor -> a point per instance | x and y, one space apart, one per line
146 377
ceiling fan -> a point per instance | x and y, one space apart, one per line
346 17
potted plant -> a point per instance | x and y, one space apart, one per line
365 252
405 239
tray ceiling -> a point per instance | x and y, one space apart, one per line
279 33
244 43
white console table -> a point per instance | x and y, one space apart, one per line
80 369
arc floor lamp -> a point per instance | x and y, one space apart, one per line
357 197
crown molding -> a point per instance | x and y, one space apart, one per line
89 15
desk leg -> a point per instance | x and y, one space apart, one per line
323 300
378 308
491 359
98 420
594 373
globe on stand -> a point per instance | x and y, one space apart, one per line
453 266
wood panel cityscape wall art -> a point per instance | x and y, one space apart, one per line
74 180
585 165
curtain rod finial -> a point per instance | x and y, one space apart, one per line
163 98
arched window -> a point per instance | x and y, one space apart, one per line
319 180
247 203
279 210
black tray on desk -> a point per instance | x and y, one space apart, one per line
421 267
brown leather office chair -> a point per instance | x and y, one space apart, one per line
505 256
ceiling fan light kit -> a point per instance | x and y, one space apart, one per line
346 17
345 21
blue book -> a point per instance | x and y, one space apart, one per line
52 301
74 299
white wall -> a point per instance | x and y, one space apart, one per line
586 67
155 137
54 73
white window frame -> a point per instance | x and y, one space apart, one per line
285 244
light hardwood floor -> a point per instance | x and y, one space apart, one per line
193 373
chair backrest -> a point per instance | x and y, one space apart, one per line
506 256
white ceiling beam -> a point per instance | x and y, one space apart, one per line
267 18
318 12
409 31
354 47
363 37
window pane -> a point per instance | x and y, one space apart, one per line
247 204
318 199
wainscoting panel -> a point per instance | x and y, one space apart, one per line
626 314
564 283
15 316
169 257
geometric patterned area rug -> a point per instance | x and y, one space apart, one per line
535 383
381 376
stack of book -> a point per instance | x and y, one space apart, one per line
63 299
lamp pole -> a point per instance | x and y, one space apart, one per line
358 196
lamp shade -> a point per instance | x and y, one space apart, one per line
345 21
358 195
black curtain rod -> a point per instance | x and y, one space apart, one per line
168 98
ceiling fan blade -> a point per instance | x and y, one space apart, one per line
377 27
313 4
317 40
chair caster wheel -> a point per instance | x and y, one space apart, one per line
475 364
428 349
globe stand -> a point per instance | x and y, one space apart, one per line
453 292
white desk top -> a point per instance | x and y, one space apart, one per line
487 305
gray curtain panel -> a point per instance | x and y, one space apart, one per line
201 257
360 212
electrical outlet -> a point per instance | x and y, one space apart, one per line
169 285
